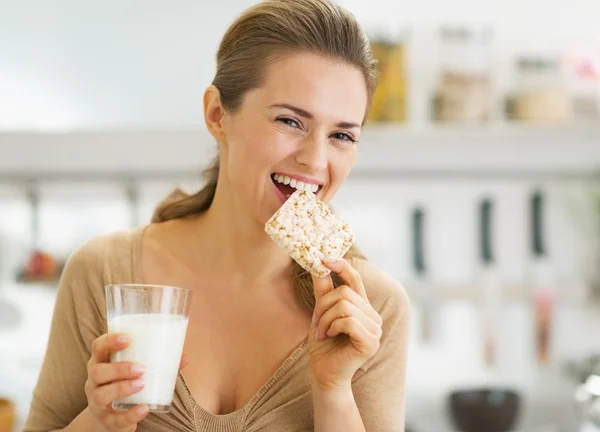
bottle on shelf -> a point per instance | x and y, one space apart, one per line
541 93
464 91
390 99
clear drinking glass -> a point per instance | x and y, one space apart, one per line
155 317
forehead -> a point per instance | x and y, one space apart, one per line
326 88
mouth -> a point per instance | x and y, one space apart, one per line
287 186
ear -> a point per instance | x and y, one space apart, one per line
214 114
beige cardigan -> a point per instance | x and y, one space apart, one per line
283 404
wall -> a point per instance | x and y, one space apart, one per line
68 64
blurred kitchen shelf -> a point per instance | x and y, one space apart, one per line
48 285
42 282
384 151
490 132
494 150
510 293
50 281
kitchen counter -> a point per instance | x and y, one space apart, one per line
556 417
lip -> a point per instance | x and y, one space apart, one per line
301 178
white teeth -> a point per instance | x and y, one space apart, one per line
296 184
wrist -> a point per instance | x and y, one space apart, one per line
339 394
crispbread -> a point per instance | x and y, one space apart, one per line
309 232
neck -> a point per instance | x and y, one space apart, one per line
237 245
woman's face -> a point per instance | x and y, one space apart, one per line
299 130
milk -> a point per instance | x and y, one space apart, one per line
157 344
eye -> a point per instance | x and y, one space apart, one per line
289 122
340 136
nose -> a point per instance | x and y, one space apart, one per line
313 154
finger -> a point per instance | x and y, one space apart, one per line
330 299
344 309
185 359
349 275
344 292
122 420
104 373
322 286
107 343
106 394
363 341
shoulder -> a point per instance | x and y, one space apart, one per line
103 257
387 296
99 247
80 301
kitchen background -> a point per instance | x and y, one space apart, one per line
476 183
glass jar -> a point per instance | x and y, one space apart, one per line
464 91
541 93
389 103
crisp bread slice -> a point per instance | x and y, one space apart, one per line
309 232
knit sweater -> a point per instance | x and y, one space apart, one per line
282 404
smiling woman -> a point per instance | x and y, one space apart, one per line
270 347
307 131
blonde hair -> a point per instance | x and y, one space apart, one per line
262 33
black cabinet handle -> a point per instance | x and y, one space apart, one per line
537 224
418 216
485 231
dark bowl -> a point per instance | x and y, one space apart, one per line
485 409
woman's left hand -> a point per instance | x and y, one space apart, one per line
343 310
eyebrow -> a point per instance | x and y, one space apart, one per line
303 113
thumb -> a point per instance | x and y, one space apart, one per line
321 286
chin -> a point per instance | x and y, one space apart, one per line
263 214
268 211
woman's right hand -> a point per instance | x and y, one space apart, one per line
108 382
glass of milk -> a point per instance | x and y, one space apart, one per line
155 317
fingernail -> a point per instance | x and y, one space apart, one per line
330 260
142 410
138 383
138 369
123 339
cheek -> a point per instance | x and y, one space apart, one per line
343 162
253 152
245 145
340 167
259 151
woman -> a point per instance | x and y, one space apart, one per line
270 348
